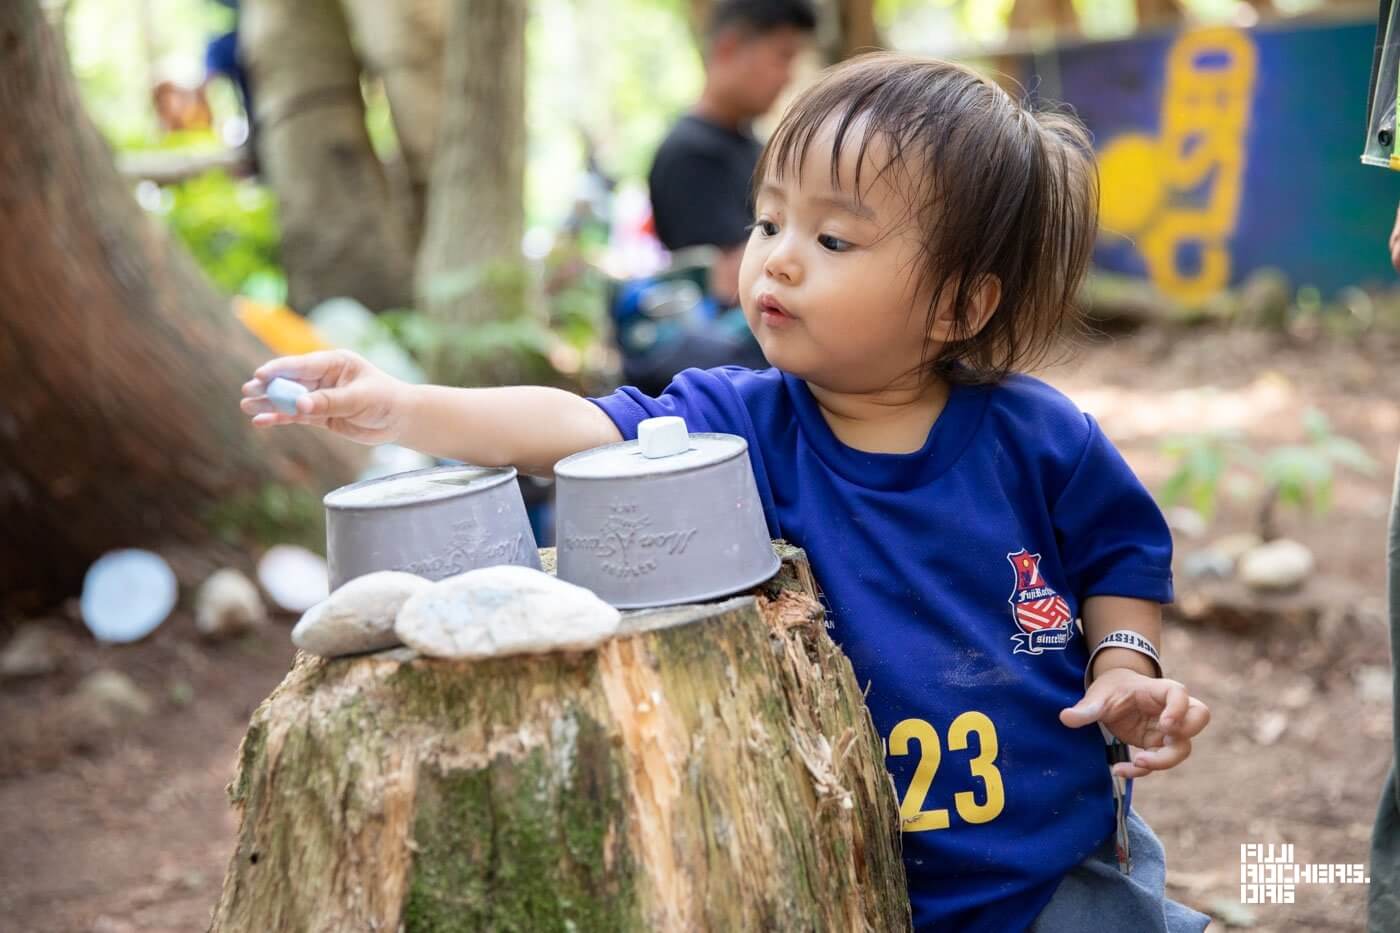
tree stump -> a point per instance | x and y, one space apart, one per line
713 768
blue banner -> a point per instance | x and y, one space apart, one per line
1225 150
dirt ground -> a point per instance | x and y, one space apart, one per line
117 828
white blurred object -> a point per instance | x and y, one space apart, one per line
537 242
388 459
348 324
1279 565
293 577
632 252
1185 522
228 604
127 594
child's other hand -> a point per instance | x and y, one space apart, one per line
1154 714
348 396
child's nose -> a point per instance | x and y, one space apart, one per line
782 262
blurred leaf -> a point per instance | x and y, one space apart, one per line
230 227
1316 425
1350 454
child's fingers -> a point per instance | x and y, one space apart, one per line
310 369
274 418
254 388
1160 759
1126 769
1081 713
330 403
1196 718
257 406
1174 705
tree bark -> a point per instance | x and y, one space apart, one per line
119 365
1153 13
847 29
470 269
340 234
714 768
1044 15
402 44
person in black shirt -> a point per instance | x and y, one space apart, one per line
701 175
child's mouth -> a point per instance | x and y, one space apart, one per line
772 311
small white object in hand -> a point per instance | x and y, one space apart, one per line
359 616
504 610
662 437
283 394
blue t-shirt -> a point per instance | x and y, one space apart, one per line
952 576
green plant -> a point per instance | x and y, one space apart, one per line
537 312
230 227
1296 475
272 514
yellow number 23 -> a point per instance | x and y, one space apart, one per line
911 810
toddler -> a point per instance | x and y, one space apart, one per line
990 564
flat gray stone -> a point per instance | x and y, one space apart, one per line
505 610
359 616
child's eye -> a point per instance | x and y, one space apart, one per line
765 227
835 244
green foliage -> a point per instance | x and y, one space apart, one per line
230 227
1201 462
1296 475
529 327
273 514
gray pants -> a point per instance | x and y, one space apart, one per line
1383 898
1095 895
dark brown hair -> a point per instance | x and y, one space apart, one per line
997 189
759 17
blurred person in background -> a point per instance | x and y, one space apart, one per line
700 183
701 175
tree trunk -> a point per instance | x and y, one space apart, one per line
1153 13
1044 15
340 234
119 365
470 269
402 44
847 28
699 18
714 768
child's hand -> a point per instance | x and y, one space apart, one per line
349 396
1154 714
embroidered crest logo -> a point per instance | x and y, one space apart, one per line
1041 614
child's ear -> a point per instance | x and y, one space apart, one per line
982 304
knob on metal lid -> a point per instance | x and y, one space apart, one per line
662 437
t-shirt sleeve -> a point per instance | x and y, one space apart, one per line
699 200
1113 538
703 397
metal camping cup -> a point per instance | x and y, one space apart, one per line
436 523
666 519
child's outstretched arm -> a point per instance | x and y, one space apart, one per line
527 427
1127 695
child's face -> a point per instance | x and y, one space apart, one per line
830 286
